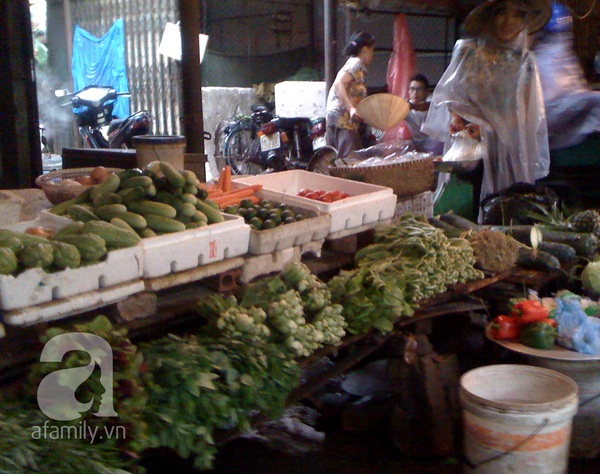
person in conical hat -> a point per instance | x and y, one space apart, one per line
347 90
492 83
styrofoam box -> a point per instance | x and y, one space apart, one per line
34 286
66 307
315 227
179 251
368 203
300 99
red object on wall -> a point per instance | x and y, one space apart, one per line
401 68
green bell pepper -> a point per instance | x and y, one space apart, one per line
539 335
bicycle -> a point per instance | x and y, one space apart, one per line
242 143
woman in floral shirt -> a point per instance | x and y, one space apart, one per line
348 89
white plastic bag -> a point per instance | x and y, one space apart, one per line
465 147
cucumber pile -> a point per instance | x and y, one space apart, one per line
147 202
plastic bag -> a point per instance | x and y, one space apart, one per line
401 68
587 336
510 206
569 316
379 150
465 148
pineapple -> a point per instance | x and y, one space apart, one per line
581 221
586 221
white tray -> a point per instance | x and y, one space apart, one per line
59 309
557 353
34 286
368 203
179 251
316 226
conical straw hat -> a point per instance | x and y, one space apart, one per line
383 111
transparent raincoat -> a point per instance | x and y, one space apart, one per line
503 95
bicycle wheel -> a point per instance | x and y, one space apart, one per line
241 145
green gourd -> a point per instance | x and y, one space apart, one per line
8 261
37 255
65 256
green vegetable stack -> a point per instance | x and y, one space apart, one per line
410 260
156 200
292 309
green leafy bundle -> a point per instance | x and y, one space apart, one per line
409 261
292 309
21 453
201 385
129 391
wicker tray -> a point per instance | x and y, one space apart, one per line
57 192
406 179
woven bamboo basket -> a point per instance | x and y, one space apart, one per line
58 192
406 179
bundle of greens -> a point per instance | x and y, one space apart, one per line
409 261
199 385
292 309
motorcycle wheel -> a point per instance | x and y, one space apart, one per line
242 146
322 159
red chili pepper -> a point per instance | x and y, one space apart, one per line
506 327
530 311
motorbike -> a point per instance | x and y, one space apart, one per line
93 108
264 142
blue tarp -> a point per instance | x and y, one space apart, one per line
101 62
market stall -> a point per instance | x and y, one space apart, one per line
232 316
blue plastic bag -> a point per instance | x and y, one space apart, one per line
569 316
587 336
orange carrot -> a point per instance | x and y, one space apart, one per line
227 178
215 193
240 192
221 180
237 201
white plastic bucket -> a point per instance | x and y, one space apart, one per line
585 438
517 418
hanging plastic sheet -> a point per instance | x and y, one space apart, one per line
101 62
401 68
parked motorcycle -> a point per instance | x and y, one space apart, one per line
265 142
93 108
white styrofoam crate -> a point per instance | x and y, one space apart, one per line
367 204
179 251
423 204
66 307
260 265
300 99
34 286
316 226
419 204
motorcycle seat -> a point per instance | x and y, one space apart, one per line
291 122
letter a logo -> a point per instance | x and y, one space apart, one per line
56 392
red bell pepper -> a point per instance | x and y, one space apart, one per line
551 321
506 327
530 311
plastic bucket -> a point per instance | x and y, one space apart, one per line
517 418
585 438
169 148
